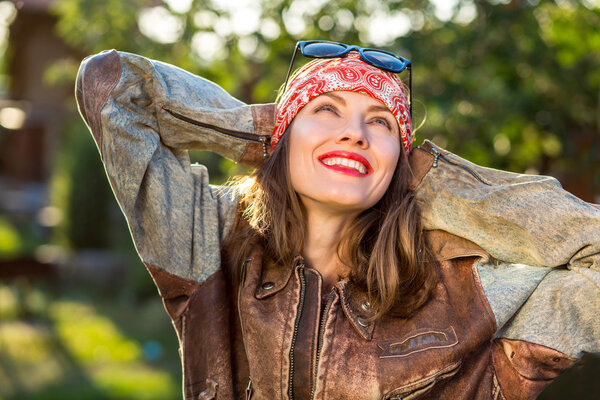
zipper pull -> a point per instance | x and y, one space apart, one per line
263 141
249 391
433 151
436 157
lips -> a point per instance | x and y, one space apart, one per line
346 162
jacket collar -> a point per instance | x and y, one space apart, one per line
357 308
275 277
354 302
446 246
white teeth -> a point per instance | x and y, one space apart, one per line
346 162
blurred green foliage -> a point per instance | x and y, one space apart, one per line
509 91
10 240
512 84
18 240
80 189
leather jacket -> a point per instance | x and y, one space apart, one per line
518 296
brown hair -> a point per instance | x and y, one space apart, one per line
385 246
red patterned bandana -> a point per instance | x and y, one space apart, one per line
349 73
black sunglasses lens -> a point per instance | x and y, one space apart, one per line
319 49
385 61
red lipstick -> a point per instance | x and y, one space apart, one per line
349 155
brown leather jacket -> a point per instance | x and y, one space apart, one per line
266 335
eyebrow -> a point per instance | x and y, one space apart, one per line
378 108
335 97
343 102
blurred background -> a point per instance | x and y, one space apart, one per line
511 84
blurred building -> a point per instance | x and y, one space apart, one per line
32 110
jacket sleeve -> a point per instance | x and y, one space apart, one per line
517 218
144 115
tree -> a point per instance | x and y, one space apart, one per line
507 84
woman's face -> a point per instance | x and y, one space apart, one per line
344 147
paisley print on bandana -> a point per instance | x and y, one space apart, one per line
348 73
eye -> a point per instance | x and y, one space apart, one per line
382 121
328 108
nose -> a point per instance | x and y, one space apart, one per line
354 133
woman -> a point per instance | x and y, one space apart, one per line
314 278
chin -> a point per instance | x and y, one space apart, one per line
351 202
339 197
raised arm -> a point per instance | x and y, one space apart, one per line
144 115
517 218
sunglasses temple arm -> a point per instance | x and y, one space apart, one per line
290 69
410 94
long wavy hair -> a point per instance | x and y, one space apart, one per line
384 246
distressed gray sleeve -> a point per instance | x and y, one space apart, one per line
515 217
555 307
178 221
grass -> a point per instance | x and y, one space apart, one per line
77 345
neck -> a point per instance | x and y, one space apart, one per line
323 234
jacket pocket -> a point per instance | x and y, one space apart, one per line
415 389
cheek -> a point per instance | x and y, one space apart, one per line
302 145
389 154
388 157
297 171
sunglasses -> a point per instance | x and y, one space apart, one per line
378 58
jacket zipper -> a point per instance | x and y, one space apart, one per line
437 155
295 335
239 135
320 341
241 283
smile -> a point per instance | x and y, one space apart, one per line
346 162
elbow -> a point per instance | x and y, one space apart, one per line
97 77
